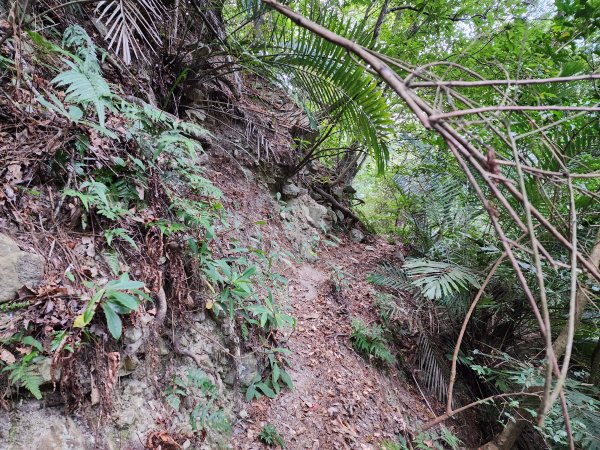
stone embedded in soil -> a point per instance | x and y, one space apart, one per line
290 190
18 269
356 235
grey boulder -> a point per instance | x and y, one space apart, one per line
18 269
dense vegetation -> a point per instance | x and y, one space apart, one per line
466 131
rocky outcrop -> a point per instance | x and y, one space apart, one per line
290 190
18 269
33 426
307 210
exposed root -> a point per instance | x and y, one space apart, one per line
235 353
161 312
336 204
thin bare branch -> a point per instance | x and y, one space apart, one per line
482 83
465 112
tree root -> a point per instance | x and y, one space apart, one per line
336 204
161 311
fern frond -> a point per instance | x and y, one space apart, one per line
85 87
21 373
370 341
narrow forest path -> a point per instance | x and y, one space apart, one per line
339 400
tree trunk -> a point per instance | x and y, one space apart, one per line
380 19
511 432
507 438
595 365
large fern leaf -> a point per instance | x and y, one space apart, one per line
370 341
85 87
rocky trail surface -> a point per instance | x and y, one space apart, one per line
339 399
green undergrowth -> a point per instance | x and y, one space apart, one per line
424 440
370 341
271 437
128 173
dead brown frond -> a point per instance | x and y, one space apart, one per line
131 27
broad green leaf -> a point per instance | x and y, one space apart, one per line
275 374
127 301
287 379
124 283
115 326
250 393
266 390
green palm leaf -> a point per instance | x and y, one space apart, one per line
433 279
438 279
325 79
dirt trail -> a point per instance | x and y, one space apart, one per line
339 399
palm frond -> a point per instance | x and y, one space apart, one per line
432 279
326 80
438 279
432 371
390 276
129 24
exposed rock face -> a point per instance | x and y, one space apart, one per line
18 269
42 429
338 192
308 210
290 190
332 215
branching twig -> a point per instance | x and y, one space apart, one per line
482 83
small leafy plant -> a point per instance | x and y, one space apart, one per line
369 341
94 194
339 278
21 373
235 283
110 235
83 81
270 436
424 441
205 415
270 316
115 299
276 379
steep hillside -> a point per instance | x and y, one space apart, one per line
165 284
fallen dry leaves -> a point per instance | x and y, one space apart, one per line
339 401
